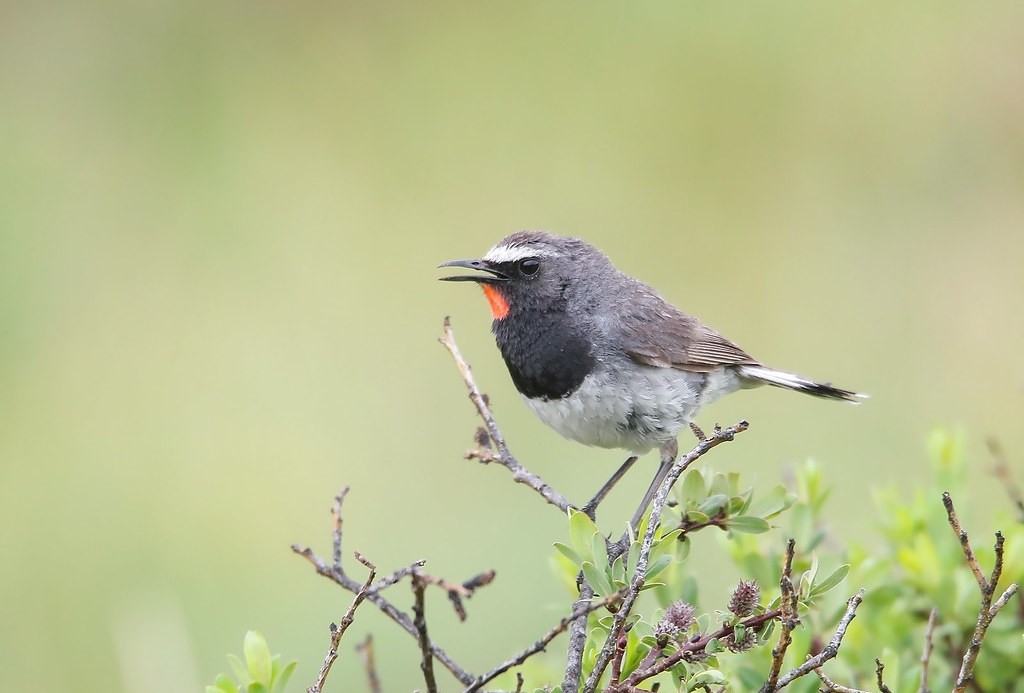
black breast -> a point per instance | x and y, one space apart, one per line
546 357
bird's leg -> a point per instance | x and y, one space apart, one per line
591 507
669 452
697 432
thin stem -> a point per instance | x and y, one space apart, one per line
639 574
337 631
420 622
519 473
578 613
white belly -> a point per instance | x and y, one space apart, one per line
640 412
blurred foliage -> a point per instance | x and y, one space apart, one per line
260 673
915 564
219 224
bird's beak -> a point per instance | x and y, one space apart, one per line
492 275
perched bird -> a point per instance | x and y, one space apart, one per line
601 357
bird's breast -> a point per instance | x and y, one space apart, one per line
547 358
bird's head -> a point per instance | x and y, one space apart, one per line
532 270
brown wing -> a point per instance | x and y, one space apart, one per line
658 334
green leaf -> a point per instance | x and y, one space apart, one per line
693 487
713 646
772 503
581 534
738 504
599 549
748 524
708 677
222 684
720 485
597 579
241 673
256 687
712 505
257 657
695 516
282 678
569 553
657 566
666 545
837 576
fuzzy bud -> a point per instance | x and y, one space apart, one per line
745 598
677 620
743 644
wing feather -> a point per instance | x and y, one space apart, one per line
658 334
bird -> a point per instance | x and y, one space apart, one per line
604 359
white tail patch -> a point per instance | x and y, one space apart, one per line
795 382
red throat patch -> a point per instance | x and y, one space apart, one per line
499 306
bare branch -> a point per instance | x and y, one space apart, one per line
639 575
577 641
929 634
338 576
336 534
459 591
394 577
987 586
365 651
965 544
578 613
790 618
879 668
1002 472
830 650
833 687
339 630
420 622
503 456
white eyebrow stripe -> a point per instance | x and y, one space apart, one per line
501 254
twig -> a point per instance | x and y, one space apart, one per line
420 622
833 687
394 577
639 575
829 651
1002 472
987 586
577 641
365 651
459 591
336 534
879 668
620 652
503 457
929 634
338 576
965 544
339 630
519 682
691 648
790 619
579 612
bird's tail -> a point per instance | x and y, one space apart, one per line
763 374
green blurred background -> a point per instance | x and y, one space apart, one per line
219 226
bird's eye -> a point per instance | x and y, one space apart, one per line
529 266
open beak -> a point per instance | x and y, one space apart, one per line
492 275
